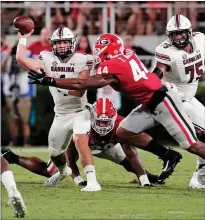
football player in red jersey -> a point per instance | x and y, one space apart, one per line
123 70
103 142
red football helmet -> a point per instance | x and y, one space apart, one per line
106 47
103 116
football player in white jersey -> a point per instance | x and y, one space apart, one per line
180 62
70 106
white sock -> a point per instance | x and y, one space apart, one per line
89 171
7 179
64 169
144 180
78 179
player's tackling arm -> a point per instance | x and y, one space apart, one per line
160 69
82 75
21 55
163 59
96 81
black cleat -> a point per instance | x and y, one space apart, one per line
8 155
154 179
170 161
83 183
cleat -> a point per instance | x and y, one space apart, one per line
92 188
154 179
147 186
8 154
194 182
170 161
18 204
57 177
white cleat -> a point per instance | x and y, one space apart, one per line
194 183
92 188
17 202
57 177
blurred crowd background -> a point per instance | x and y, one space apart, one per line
27 111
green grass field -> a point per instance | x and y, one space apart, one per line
118 200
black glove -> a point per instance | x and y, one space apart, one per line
41 78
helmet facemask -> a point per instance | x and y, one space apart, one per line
66 51
181 38
103 116
103 125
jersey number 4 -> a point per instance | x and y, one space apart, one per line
137 72
195 68
62 76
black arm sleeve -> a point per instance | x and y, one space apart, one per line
158 72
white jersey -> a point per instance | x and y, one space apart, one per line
185 68
69 68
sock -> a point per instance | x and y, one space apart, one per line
156 148
126 164
144 180
89 171
51 168
7 179
78 179
64 169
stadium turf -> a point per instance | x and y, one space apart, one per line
118 200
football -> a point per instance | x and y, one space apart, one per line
23 24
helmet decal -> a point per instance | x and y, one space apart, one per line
104 41
177 20
60 32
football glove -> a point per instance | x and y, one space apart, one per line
39 77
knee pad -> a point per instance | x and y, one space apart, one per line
55 152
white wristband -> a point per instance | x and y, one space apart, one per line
78 179
144 180
23 41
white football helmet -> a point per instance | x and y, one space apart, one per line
63 34
179 25
103 116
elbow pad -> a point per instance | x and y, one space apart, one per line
158 72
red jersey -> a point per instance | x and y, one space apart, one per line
97 142
135 81
37 46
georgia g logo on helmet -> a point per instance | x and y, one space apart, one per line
179 31
104 41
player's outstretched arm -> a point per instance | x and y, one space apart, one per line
21 56
79 93
96 81
160 69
